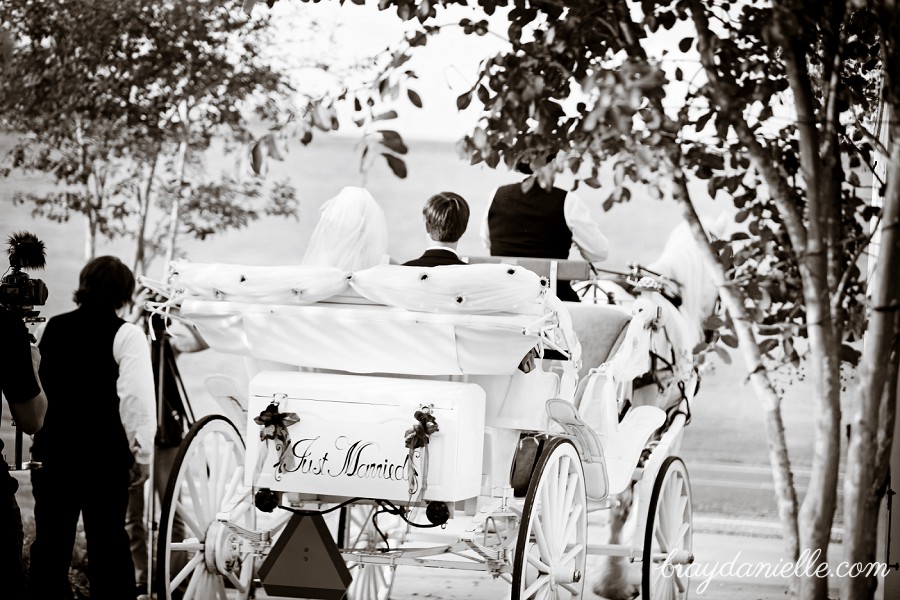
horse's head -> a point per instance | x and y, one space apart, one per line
682 262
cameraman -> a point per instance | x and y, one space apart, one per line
19 361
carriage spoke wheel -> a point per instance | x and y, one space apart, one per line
551 549
357 531
667 542
199 557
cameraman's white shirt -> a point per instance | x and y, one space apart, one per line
137 400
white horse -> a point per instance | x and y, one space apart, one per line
656 367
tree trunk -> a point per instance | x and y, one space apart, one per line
90 237
872 423
817 512
176 206
140 260
779 459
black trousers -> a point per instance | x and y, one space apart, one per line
565 292
99 494
12 577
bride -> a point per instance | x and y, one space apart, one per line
351 234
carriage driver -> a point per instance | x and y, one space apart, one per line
541 223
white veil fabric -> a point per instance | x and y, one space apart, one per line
351 234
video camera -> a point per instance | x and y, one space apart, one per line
19 293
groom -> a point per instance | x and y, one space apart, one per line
446 216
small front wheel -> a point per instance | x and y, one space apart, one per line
667 541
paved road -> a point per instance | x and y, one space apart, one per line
714 583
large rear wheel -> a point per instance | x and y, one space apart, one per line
198 556
551 549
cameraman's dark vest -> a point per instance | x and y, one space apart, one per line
79 374
531 224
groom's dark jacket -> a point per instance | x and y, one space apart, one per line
435 257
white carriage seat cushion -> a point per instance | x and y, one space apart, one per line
271 284
599 329
624 446
466 289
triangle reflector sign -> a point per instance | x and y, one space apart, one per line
305 562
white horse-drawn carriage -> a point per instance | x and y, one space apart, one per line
426 417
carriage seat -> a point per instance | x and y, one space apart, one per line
551 268
600 329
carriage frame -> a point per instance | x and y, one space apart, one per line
503 532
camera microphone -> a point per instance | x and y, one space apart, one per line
20 293
26 251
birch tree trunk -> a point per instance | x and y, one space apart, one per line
872 422
175 214
779 459
140 260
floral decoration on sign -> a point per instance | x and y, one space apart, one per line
418 436
274 426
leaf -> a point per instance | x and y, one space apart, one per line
393 141
849 354
729 340
702 120
713 322
396 164
419 39
385 116
723 354
483 94
685 44
414 98
463 101
768 345
257 158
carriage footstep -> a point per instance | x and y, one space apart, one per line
627 443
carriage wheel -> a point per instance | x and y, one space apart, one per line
357 531
205 558
667 542
552 546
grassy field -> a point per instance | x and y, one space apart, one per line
728 425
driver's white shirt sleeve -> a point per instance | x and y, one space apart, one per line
137 400
586 234
484 232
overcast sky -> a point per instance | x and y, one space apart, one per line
445 67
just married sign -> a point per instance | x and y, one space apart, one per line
348 435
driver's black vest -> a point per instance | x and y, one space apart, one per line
531 224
